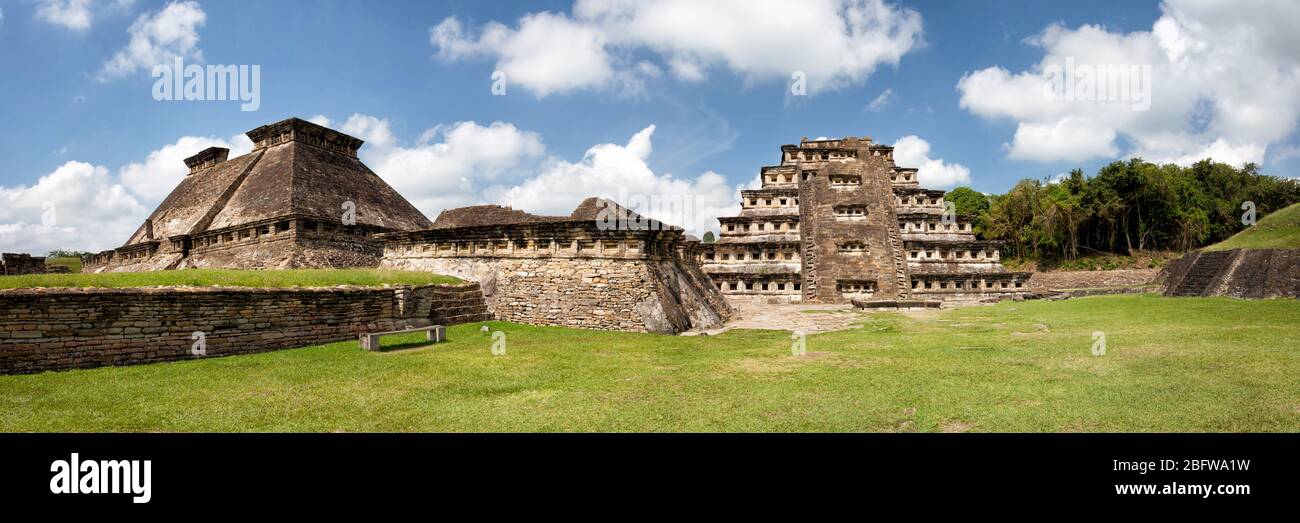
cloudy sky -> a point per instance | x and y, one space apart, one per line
657 98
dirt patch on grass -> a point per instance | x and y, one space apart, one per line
955 426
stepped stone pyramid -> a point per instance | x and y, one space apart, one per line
837 221
300 198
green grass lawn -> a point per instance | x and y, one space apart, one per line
1279 230
1171 364
73 263
227 277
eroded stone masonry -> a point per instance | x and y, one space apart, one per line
837 221
601 267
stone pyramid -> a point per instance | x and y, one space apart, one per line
300 198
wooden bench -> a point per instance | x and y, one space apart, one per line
433 333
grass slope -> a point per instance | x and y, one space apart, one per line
1279 230
1184 364
71 262
226 277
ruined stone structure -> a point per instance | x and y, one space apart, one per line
58 328
299 199
602 267
1239 273
13 264
837 221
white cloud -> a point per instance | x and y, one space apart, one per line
78 206
159 38
1224 81
881 101
467 163
93 210
548 53
450 165
912 151
164 168
836 43
1071 138
620 173
72 14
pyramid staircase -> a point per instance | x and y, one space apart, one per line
900 263
1203 273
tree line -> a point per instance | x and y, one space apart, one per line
1128 206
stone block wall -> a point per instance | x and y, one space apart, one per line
55 329
571 274
12 264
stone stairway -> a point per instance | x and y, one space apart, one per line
900 263
1204 271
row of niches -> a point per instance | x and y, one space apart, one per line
779 178
904 176
919 201
845 181
758 286
852 247
930 226
964 285
821 156
775 202
850 212
518 247
789 226
743 254
126 255
301 227
954 254
846 287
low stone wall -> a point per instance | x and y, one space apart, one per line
1060 280
54 329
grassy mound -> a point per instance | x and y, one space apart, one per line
228 278
73 263
1279 230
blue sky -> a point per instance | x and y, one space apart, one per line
382 73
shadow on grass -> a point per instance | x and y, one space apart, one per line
407 346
